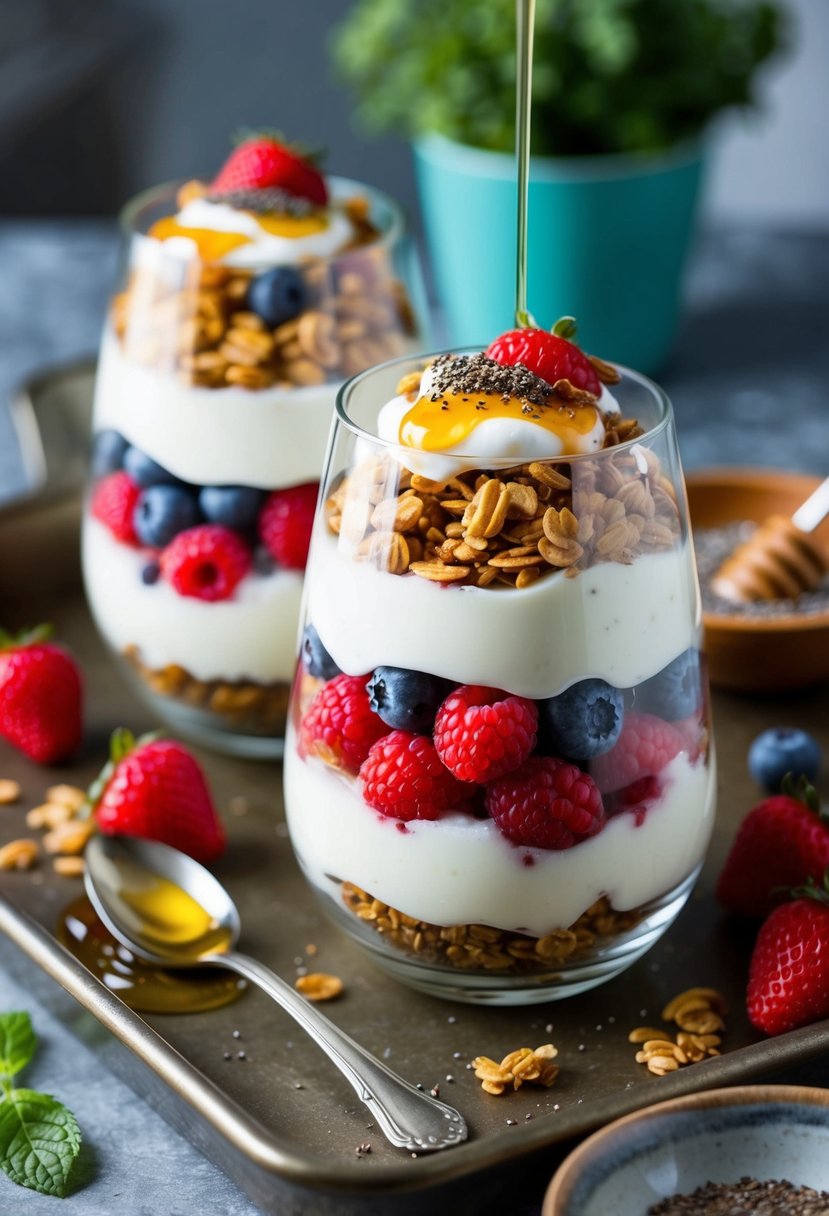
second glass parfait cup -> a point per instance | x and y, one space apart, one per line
219 367
498 773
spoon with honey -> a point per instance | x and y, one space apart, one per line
171 911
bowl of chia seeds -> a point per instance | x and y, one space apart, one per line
765 645
762 1149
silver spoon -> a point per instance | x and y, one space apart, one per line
171 911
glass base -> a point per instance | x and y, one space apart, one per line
566 979
204 727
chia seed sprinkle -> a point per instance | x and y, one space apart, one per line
477 374
714 545
748 1197
270 198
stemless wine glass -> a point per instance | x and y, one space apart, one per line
561 592
210 421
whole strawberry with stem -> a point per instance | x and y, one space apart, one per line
550 354
788 977
264 161
41 696
154 788
781 843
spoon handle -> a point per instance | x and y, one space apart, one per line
408 1117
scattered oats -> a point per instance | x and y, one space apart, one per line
9 791
318 986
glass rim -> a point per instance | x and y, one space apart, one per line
341 187
658 394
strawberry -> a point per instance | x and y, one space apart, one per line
550 355
264 162
154 788
41 696
782 842
788 976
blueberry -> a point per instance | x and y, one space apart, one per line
146 472
162 512
406 700
675 692
317 660
151 573
108 448
278 295
779 751
234 506
584 721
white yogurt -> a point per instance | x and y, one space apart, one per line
263 248
269 438
492 439
252 636
620 623
458 870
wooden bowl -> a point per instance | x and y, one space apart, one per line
759 654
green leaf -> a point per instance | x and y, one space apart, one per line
39 1141
17 1043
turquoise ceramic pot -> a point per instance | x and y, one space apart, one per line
609 239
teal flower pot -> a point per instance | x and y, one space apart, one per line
609 239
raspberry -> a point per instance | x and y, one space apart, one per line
405 779
285 524
644 747
481 733
546 804
206 562
549 356
339 725
113 503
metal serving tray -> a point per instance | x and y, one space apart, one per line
283 1123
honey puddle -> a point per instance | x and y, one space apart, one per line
142 986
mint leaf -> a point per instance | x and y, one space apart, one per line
17 1043
39 1141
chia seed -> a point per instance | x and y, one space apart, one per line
714 545
270 198
473 374
748 1197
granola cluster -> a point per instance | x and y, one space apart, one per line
518 1067
202 330
245 705
483 947
698 1012
512 528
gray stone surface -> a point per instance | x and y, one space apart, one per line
749 383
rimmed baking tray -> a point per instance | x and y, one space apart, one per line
281 1122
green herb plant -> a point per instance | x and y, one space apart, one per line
632 76
39 1137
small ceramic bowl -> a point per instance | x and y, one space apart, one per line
756 1131
759 654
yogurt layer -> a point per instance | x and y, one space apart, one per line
272 438
249 637
620 623
458 870
264 247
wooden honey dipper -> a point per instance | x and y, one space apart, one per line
781 560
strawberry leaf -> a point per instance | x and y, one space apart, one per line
565 327
26 637
39 1141
803 791
17 1043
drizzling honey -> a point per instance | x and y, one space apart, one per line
440 422
143 987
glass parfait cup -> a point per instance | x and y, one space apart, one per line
210 419
562 593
